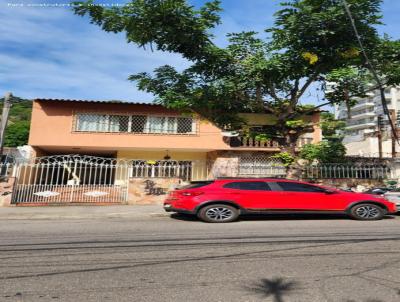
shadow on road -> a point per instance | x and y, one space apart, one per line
276 217
276 288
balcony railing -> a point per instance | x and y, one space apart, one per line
248 142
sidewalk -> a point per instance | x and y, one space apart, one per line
82 212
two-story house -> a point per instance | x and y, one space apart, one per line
156 142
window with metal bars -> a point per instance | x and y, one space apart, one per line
161 169
94 122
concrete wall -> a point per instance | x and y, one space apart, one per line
6 188
150 190
52 129
159 155
369 147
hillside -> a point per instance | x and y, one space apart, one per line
17 131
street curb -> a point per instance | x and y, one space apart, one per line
94 216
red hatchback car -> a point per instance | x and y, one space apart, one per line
223 200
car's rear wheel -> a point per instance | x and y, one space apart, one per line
218 213
367 211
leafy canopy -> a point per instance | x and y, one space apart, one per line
329 151
17 134
331 127
17 131
310 44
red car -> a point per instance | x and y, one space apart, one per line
223 200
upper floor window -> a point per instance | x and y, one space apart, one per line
94 122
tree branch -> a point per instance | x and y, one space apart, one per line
293 92
310 80
272 93
316 107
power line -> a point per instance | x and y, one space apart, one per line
372 69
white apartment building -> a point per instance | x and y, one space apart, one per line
360 134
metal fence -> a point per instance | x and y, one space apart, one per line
357 171
67 179
87 179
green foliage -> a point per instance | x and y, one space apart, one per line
20 111
331 150
324 152
169 25
311 43
391 183
263 137
330 126
348 83
17 134
17 131
295 124
286 158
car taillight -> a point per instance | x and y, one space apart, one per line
194 193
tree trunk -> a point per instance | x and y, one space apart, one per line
293 170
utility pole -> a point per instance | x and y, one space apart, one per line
379 134
4 118
394 122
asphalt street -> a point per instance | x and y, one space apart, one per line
270 258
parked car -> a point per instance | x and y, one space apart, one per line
224 200
378 191
391 194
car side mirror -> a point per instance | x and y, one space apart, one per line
330 192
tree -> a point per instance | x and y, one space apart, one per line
17 134
327 151
311 43
17 131
331 149
331 127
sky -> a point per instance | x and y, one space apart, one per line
48 52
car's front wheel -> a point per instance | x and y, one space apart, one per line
367 211
218 213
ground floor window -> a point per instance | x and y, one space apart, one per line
161 169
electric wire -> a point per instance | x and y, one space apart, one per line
373 71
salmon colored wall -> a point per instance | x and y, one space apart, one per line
159 155
258 119
52 124
317 134
52 127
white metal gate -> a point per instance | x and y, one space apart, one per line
71 179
